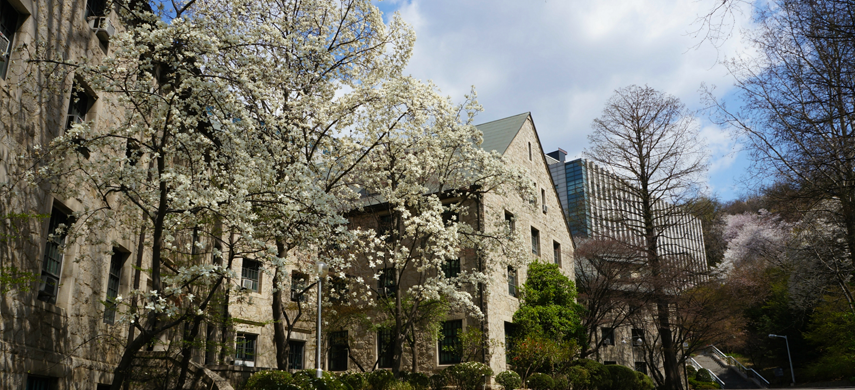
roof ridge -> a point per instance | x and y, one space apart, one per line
505 118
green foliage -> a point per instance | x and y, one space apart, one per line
704 375
418 380
380 379
438 381
697 385
560 383
468 376
586 374
831 332
540 381
270 380
644 381
355 380
533 354
691 371
509 380
306 380
548 308
623 378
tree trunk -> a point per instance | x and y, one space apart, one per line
280 340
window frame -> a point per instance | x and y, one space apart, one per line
450 331
513 287
114 281
556 252
247 269
245 356
451 268
386 283
15 18
605 332
385 350
296 356
510 222
299 283
338 351
535 241
54 254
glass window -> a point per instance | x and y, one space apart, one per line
245 349
638 337
249 275
52 264
96 8
512 281
509 222
641 367
556 252
8 27
608 336
298 284
338 351
385 351
40 383
451 268
386 286
113 280
295 354
535 241
450 345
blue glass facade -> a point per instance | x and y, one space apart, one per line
578 205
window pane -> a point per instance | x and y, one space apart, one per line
450 346
451 268
385 351
249 274
52 264
295 355
338 351
116 261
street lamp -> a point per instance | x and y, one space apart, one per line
322 270
792 373
685 361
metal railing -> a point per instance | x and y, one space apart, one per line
731 361
699 367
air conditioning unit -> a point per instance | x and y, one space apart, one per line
4 46
545 208
247 284
72 120
102 27
49 285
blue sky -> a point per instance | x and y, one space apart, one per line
562 60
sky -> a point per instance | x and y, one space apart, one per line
562 60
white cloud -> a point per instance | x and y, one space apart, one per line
562 60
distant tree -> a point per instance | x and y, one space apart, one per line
648 141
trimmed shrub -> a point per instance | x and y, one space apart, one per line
509 380
305 380
644 381
586 374
380 379
468 376
418 381
691 371
540 381
623 378
560 383
270 380
703 375
399 385
438 381
355 380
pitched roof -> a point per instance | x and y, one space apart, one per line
499 133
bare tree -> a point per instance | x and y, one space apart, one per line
646 141
798 115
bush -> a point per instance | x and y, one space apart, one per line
399 385
438 381
305 380
560 383
644 381
698 385
540 381
509 380
586 374
270 380
704 375
468 376
380 379
355 380
418 381
691 371
623 378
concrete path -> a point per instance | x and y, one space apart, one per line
731 378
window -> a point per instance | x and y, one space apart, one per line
386 286
52 265
638 337
96 8
510 336
385 352
384 227
450 217
245 349
337 289
608 336
116 262
298 284
79 104
450 347
249 275
512 281
641 367
529 151
535 241
8 27
40 383
556 252
295 354
451 268
543 198
509 222
337 358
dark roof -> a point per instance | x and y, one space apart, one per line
499 133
